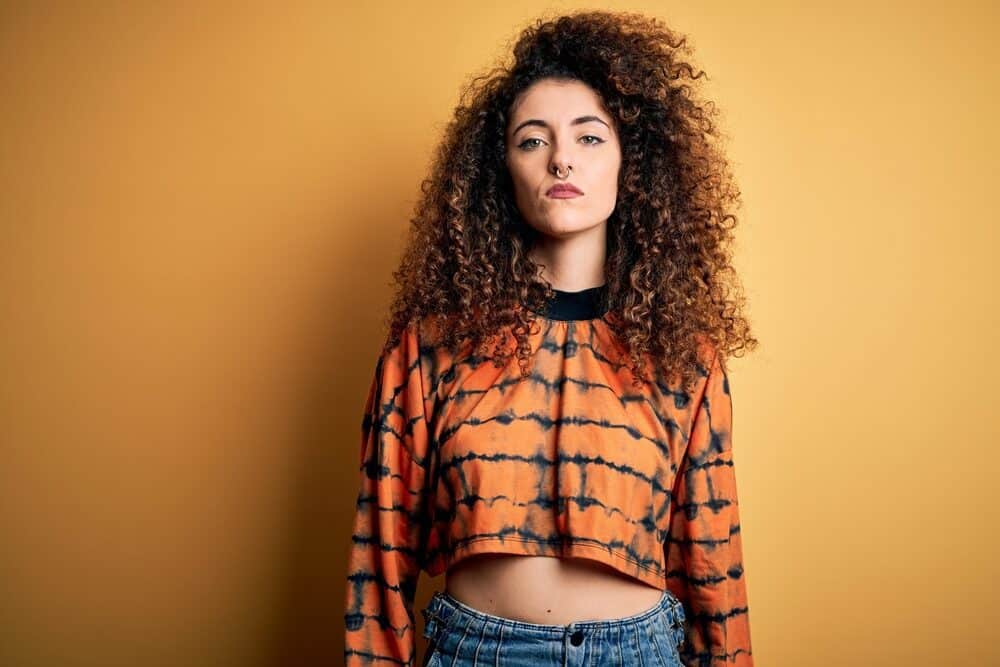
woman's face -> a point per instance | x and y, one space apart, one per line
562 123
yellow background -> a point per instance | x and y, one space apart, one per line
201 207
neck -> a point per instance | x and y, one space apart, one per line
586 304
572 263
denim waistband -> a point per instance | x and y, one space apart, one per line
443 611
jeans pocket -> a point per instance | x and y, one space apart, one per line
678 628
679 634
657 652
431 655
665 648
434 626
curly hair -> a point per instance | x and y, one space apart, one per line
671 286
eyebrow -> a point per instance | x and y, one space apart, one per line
575 121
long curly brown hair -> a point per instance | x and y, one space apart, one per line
671 286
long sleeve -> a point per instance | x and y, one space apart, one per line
384 561
704 551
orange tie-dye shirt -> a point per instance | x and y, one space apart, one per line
459 457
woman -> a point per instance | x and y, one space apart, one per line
582 502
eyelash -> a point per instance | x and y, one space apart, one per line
522 144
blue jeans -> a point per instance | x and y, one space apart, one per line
460 636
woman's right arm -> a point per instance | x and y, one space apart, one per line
383 561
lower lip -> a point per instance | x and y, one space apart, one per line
564 194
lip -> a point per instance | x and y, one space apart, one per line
563 191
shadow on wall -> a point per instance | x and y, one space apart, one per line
311 572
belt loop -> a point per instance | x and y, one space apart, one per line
434 622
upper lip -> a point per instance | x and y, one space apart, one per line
569 187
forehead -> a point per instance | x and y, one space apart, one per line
557 101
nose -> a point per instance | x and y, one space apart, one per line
561 158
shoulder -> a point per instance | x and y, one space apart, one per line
421 338
709 357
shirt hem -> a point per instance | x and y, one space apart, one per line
515 546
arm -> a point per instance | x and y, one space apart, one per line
383 562
704 551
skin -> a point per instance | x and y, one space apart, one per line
541 589
573 232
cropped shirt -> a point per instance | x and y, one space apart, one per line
458 457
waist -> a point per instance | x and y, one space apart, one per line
546 590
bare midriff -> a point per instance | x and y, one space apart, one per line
547 590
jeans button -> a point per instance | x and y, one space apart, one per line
577 638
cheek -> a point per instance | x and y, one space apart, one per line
609 179
524 181
516 171
522 190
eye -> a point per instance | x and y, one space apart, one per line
524 145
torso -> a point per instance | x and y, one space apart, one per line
547 590
544 589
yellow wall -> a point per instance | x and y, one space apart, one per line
199 212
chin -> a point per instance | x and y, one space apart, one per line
566 227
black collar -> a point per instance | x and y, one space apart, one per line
586 304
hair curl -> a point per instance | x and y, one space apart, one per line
672 287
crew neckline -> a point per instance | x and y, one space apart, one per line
576 306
